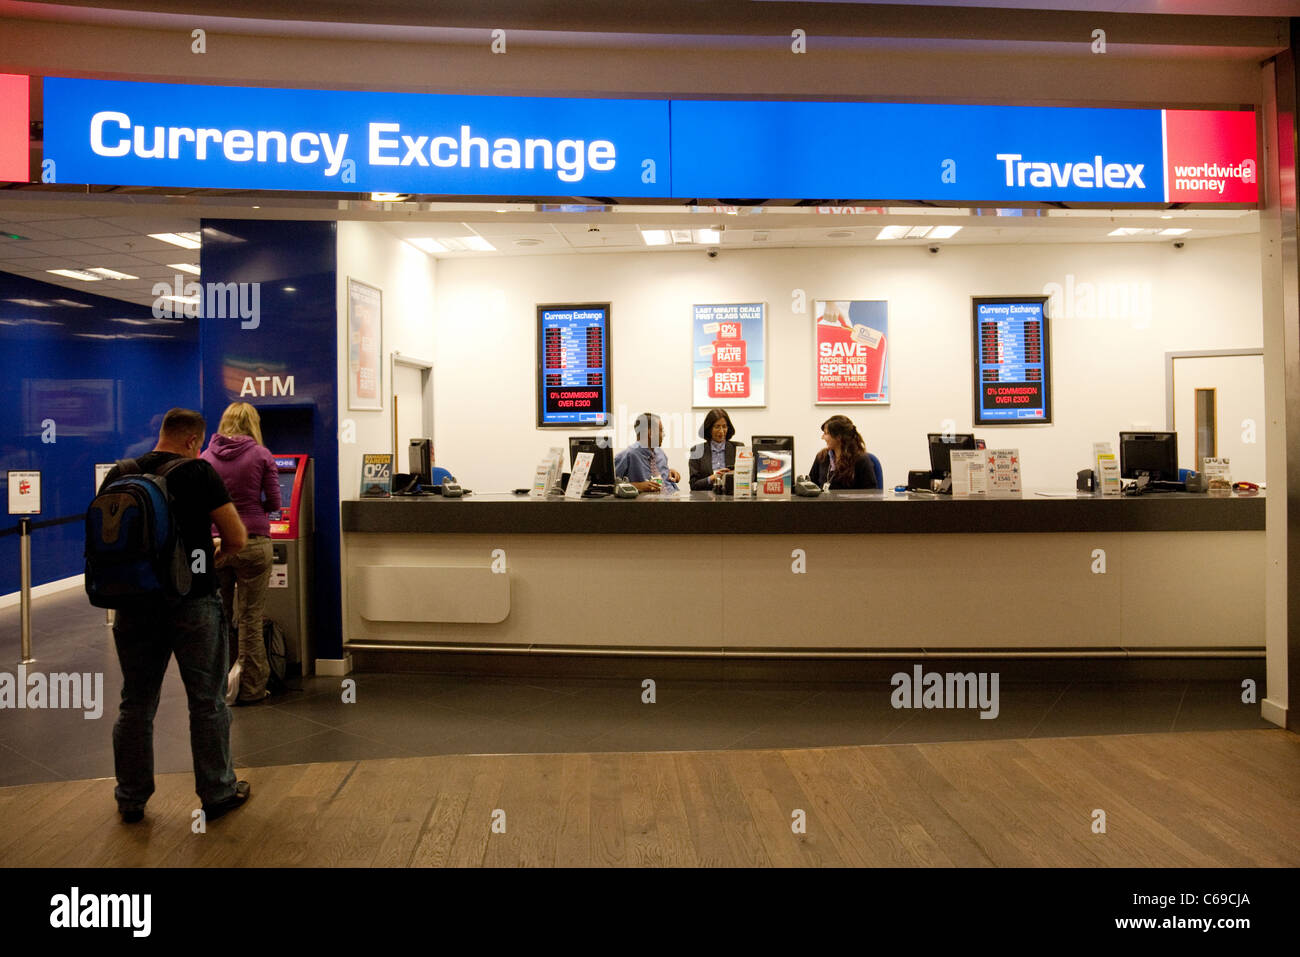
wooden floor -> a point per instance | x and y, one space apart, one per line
1192 799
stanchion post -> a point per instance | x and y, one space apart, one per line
25 597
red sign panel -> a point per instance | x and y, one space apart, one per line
1210 157
14 98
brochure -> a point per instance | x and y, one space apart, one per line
1108 474
547 475
774 474
376 475
1004 470
578 480
744 481
969 472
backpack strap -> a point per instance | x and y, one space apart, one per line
128 467
167 466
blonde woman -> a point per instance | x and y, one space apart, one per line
237 453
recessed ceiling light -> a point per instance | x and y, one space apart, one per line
150 322
185 267
290 288
527 242
681 235
944 232
74 305
184 240
111 273
76 274
656 237
1126 231
707 236
1175 232
840 234
427 245
33 303
389 197
760 236
479 244
918 232
892 232
1166 215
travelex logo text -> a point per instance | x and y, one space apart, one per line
1092 173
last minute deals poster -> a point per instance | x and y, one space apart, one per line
852 352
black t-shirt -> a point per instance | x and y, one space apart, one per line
196 490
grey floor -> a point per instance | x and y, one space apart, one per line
398 715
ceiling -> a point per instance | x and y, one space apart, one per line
116 236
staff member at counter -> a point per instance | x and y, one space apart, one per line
844 462
717 455
644 462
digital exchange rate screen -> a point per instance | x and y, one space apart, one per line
573 380
1012 367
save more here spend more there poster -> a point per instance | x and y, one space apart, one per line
851 360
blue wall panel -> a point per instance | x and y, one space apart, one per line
289 271
103 383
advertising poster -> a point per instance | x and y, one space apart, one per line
573 375
376 475
727 355
1012 361
852 352
365 343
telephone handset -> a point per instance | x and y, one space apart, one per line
806 487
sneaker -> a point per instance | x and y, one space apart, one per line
242 790
131 815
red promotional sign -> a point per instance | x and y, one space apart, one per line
14 159
1210 157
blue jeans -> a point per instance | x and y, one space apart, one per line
146 640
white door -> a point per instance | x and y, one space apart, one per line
1219 410
408 400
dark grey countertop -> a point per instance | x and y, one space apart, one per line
830 513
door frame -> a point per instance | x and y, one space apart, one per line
426 393
1194 354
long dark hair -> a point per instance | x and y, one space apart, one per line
841 427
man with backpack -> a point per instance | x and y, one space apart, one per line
158 615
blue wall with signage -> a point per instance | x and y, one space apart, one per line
83 379
155 134
272 341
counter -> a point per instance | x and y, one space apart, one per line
856 571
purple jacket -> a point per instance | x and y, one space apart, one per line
249 472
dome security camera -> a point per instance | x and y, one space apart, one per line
1179 244
934 250
712 253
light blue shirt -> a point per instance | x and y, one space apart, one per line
635 463
719 450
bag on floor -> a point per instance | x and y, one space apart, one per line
276 658
134 553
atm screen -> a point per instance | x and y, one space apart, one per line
286 493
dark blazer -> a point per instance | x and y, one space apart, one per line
864 476
701 464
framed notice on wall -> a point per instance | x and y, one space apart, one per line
1011 360
727 355
573 367
365 345
851 352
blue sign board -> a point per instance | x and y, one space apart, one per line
1013 369
154 134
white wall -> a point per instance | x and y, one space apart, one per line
405 275
1129 305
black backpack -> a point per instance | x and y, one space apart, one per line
134 552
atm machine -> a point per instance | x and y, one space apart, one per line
293 530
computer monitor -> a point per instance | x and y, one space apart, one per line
1154 454
941 447
602 459
421 460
